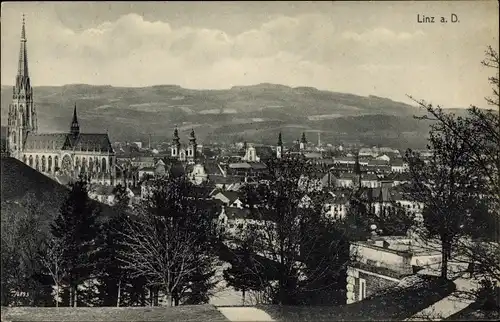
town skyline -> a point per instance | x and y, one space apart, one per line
220 45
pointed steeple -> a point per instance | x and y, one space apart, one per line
303 138
22 79
279 147
357 167
192 137
176 142
75 127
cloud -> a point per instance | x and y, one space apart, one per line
381 35
301 50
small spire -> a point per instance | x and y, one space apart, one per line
75 127
192 136
22 69
303 138
75 118
280 142
23 30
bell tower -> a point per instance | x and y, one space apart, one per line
279 147
22 115
303 141
192 148
176 144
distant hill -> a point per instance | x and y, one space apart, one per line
18 181
243 112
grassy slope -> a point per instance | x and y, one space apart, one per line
192 313
19 181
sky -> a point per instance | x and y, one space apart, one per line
365 48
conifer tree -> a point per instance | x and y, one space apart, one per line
76 228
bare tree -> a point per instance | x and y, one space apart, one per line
475 140
51 258
24 228
295 252
169 240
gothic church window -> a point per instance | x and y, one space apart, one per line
30 162
56 162
49 168
43 163
66 164
84 164
24 158
37 163
103 167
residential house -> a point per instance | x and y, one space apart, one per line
143 161
313 155
258 153
232 222
383 157
382 262
377 162
367 152
230 199
336 206
222 182
198 175
370 181
346 180
399 166
158 170
104 193
345 160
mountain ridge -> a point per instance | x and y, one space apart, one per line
254 112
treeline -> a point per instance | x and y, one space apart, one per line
169 248
162 249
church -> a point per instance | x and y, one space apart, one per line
54 154
182 153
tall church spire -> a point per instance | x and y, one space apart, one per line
75 127
22 79
22 115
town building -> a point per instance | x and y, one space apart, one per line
382 262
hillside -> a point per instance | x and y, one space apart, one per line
244 112
20 183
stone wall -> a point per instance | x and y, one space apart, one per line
374 283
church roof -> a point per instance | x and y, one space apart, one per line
47 141
87 141
64 141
